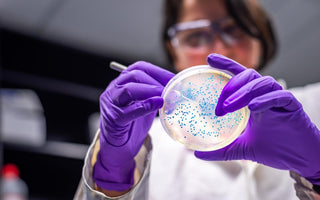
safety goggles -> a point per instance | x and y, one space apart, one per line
201 34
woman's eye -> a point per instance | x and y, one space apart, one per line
198 38
233 31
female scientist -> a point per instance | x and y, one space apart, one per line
123 163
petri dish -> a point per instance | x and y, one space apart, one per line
188 113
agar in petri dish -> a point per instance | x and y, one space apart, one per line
188 113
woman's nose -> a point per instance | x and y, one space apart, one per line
221 47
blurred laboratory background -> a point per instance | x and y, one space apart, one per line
54 57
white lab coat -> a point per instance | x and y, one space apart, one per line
170 171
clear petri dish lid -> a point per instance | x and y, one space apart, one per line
188 113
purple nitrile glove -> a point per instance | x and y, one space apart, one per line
128 106
279 133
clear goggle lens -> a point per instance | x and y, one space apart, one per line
203 33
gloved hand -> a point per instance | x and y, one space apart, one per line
128 107
279 133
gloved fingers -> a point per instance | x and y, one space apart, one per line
224 63
131 92
234 151
122 116
158 73
233 85
139 109
136 76
248 92
276 99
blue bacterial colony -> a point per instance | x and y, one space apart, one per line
188 114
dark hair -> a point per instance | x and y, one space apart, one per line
248 14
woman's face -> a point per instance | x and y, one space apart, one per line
247 52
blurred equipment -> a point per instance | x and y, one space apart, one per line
22 117
12 187
45 80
